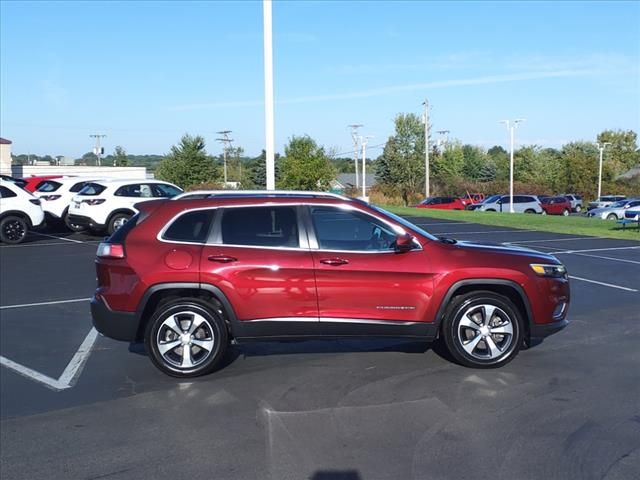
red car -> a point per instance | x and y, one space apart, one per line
188 276
555 206
33 182
442 203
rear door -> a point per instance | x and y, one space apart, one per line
359 276
259 257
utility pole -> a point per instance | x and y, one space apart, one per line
226 141
426 148
511 126
354 136
98 150
268 95
445 135
601 147
363 142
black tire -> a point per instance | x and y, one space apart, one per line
211 331
612 216
116 222
529 210
482 356
13 229
72 226
489 210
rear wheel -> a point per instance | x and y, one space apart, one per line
70 225
117 221
13 229
483 330
186 338
530 210
578 208
565 212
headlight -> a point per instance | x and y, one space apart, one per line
554 271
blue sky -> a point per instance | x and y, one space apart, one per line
145 72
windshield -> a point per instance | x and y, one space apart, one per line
404 222
619 204
492 199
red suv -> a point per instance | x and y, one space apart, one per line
189 275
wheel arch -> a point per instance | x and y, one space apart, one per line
164 292
17 213
507 288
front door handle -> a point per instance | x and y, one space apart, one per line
221 258
334 261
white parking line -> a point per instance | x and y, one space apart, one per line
594 250
24 245
624 260
439 223
485 231
57 238
557 239
53 302
69 375
627 289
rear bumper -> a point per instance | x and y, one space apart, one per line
114 324
86 222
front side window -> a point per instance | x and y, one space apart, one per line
260 226
349 230
190 227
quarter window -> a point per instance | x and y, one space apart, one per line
349 230
92 189
6 193
190 227
260 227
48 186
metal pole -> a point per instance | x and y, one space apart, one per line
364 168
601 148
224 156
426 149
268 95
354 136
511 128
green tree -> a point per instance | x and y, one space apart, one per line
305 166
581 167
400 168
621 155
501 159
474 161
188 163
448 167
258 170
120 157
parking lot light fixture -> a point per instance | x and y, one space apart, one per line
511 126
363 142
601 147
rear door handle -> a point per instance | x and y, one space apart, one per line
221 258
334 261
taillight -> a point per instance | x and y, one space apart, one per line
50 197
35 201
96 201
110 250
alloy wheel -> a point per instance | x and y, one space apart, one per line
185 339
14 230
485 331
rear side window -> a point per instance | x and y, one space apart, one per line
77 187
48 186
7 193
260 227
92 189
135 190
190 227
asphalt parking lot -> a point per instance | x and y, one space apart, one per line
77 405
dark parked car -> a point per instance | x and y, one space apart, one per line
189 275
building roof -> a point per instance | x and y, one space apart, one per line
4 141
629 174
349 179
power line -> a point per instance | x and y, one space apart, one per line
354 136
226 141
98 150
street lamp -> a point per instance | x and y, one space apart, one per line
601 147
363 142
511 126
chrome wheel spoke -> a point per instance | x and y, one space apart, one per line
187 361
494 350
488 311
485 331
467 322
504 329
471 345
204 344
196 321
168 346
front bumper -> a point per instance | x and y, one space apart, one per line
538 332
114 324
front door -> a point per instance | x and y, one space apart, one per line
359 275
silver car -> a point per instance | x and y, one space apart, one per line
615 211
605 201
576 201
521 204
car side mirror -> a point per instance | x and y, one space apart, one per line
404 243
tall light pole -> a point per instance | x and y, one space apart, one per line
226 141
444 140
354 136
98 150
363 142
511 126
426 148
268 95
601 147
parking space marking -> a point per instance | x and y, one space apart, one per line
624 260
87 242
69 375
558 239
53 302
57 238
484 231
440 223
627 289
594 250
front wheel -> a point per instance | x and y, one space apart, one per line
612 216
565 212
544 212
13 229
186 338
483 330
578 208
530 210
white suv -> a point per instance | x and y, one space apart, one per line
56 195
19 212
108 204
521 204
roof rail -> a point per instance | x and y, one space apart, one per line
258 193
